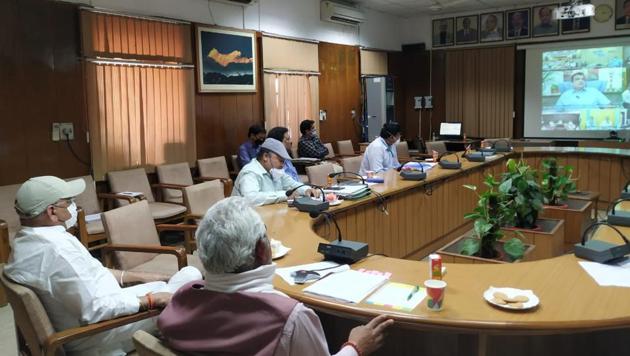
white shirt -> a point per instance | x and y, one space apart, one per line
302 334
379 157
260 187
76 289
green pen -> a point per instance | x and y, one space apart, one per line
414 291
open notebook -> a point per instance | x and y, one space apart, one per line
349 286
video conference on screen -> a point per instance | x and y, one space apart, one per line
584 89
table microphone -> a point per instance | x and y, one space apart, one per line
342 251
502 148
449 164
291 191
306 204
412 174
333 175
601 251
474 157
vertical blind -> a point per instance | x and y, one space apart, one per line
140 115
290 98
480 90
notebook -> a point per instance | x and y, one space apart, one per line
349 286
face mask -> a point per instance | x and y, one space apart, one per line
397 142
276 173
314 133
259 142
72 209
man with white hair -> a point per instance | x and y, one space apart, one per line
263 180
75 288
238 295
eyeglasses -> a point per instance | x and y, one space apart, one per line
68 201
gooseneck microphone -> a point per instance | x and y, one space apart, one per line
449 164
342 251
333 175
292 190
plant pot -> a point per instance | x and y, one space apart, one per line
548 238
576 216
450 253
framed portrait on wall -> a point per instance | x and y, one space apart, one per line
542 21
517 24
226 60
443 32
622 15
577 25
491 27
466 29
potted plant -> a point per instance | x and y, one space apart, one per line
492 212
520 186
556 182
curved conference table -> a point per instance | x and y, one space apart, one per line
575 315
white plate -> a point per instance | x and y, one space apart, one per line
334 202
488 295
280 252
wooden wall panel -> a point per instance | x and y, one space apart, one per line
462 89
222 119
41 83
475 86
340 92
411 71
496 91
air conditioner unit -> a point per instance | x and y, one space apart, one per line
238 2
339 13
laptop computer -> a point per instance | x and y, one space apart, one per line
450 131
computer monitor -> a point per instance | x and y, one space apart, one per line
450 129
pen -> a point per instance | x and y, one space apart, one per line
414 291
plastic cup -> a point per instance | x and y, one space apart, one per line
435 294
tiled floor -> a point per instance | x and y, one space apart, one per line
7 332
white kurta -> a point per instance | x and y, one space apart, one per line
76 289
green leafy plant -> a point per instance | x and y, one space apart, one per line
519 185
491 213
557 181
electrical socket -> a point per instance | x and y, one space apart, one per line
62 129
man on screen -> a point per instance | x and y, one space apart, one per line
581 96
547 25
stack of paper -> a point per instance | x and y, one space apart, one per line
350 191
607 275
349 286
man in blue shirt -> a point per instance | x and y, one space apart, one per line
248 150
381 155
282 134
581 97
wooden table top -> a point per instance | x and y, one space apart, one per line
570 300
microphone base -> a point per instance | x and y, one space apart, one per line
343 251
489 151
308 205
621 218
450 165
600 251
413 175
476 157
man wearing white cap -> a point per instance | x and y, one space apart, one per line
74 287
262 181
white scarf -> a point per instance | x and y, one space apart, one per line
256 280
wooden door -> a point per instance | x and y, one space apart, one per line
339 93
